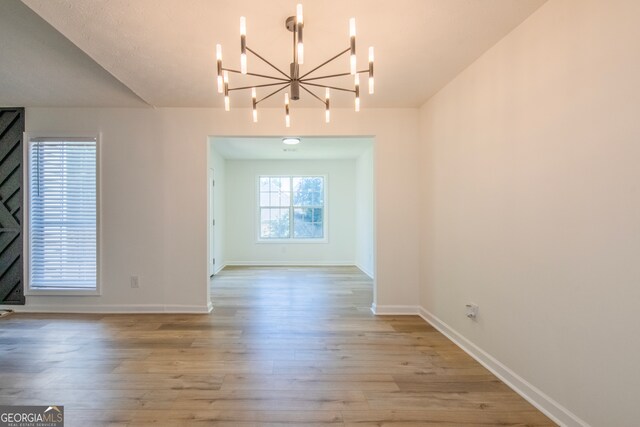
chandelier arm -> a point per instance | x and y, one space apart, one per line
269 63
331 87
271 77
273 93
326 77
326 62
258 75
314 95
331 76
262 85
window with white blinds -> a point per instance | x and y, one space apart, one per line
62 214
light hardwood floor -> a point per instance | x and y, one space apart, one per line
284 346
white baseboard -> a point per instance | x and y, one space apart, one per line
219 269
529 392
365 271
387 310
289 263
115 308
533 395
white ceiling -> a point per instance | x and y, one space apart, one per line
164 50
39 67
309 148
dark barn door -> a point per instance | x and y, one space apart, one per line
11 261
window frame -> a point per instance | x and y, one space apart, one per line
30 291
292 239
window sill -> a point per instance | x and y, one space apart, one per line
62 292
293 241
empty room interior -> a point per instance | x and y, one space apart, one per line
305 213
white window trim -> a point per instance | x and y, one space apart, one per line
292 240
27 137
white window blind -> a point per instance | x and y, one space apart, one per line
62 214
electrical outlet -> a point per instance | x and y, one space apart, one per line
135 282
472 311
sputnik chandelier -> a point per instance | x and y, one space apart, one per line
294 80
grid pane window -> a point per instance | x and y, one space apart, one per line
274 223
291 207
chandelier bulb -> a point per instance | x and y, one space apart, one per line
254 103
220 84
287 118
371 70
299 19
226 91
352 37
327 111
243 45
219 67
357 101
299 29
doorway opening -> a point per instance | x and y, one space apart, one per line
274 204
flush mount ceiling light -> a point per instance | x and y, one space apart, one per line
293 80
291 141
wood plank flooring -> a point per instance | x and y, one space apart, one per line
284 346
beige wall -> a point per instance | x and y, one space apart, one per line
365 214
154 197
531 191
